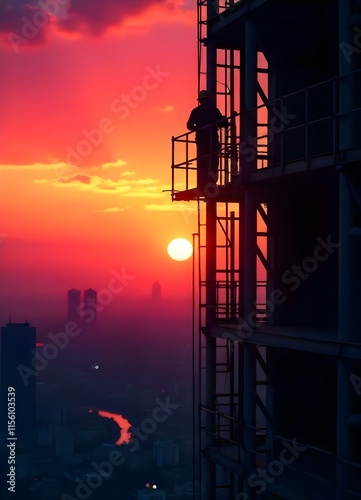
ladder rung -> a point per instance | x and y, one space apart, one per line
220 270
225 395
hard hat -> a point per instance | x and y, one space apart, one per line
203 94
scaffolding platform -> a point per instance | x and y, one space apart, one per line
229 193
308 339
296 481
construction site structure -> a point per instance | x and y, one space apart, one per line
277 341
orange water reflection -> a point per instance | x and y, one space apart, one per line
123 423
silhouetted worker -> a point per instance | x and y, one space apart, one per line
203 120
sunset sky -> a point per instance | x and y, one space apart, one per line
91 93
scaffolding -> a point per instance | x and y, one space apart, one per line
277 286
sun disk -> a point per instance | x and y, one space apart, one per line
180 249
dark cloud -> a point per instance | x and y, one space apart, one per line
16 21
29 19
95 17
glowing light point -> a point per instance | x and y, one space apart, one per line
180 249
154 486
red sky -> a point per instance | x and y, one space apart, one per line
90 98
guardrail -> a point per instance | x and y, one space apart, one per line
322 119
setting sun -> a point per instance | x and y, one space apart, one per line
180 249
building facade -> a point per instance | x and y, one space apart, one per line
277 342
74 303
18 383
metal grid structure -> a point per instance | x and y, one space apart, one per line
277 341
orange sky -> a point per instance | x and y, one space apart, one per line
90 100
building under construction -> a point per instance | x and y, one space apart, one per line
277 341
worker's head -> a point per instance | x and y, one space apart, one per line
203 96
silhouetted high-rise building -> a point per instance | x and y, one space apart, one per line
64 444
277 285
156 292
90 302
74 305
18 377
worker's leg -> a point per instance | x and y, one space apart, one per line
207 169
202 171
213 168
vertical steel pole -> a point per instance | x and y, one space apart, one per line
209 470
345 257
345 330
232 239
172 167
249 241
195 389
209 476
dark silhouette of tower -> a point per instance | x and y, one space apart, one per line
74 305
90 302
156 292
18 376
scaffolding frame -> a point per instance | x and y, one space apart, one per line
235 329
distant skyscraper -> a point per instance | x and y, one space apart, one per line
156 292
18 341
64 444
166 453
90 301
73 305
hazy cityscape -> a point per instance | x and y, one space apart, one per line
112 416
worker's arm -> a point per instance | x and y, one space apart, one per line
223 121
191 125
